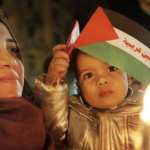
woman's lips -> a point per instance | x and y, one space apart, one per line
105 93
8 78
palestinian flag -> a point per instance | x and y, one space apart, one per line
118 41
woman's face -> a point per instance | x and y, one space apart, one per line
101 85
11 68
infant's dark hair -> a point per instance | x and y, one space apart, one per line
73 61
73 64
73 68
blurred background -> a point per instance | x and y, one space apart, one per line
41 24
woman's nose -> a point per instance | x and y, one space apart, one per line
6 60
102 81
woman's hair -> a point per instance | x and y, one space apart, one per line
5 22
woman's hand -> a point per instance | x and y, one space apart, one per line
59 64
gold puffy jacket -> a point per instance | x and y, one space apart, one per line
117 128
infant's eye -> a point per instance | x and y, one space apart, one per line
88 75
111 68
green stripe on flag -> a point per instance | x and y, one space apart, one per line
120 59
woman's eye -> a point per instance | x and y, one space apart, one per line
112 68
88 75
13 50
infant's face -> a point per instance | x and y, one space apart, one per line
102 85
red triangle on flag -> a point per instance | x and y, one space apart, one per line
98 29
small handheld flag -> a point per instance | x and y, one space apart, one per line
72 38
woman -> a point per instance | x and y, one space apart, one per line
21 123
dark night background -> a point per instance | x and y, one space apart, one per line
82 10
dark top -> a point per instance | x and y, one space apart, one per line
22 127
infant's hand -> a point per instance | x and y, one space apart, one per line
58 65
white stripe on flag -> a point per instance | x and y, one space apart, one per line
132 46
